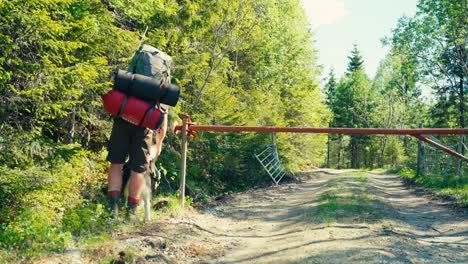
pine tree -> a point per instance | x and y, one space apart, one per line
330 87
351 106
355 60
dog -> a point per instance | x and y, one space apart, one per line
150 184
152 176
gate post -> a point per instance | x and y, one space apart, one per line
419 162
419 165
461 150
183 162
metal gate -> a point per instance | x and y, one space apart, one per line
271 162
269 156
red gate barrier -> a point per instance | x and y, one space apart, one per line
330 130
189 128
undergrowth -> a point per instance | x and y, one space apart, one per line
455 188
47 202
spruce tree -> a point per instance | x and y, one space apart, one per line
355 60
330 87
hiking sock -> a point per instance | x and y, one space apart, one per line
114 201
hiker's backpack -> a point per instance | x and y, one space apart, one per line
151 62
129 99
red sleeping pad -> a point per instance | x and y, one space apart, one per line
132 109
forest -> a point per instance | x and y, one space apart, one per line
238 63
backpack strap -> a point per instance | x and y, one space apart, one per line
151 112
161 88
122 106
150 109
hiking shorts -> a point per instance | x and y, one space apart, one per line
134 141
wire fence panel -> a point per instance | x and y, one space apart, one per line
271 163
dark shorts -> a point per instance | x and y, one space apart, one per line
134 141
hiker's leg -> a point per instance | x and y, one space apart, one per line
139 164
114 181
134 191
136 185
117 148
115 177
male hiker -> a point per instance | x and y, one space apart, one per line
141 145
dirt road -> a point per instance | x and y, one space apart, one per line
338 217
330 217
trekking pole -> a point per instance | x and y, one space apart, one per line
143 37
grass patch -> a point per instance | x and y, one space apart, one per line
360 176
346 201
450 187
344 208
173 207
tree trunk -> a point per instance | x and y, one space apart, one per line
462 103
461 149
354 152
383 145
420 161
71 133
328 151
340 137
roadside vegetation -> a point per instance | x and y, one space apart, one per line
453 188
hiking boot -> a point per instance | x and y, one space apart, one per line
114 204
131 214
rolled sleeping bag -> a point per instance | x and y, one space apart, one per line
146 88
132 109
112 101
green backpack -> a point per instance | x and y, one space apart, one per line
151 62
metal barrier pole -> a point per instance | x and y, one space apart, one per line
183 162
333 130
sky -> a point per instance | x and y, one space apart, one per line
338 24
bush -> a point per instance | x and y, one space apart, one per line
86 220
43 206
32 232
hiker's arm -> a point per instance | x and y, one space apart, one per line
160 135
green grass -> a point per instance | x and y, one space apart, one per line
173 207
336 208
346 201
450 187
360 176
